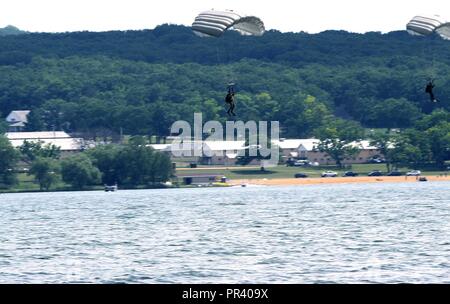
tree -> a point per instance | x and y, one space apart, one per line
410 147
31 150
105 158
436 128
383 142
8 159
3 125
35 122
134 163
338 138
392 113
79 171
161 168
302 115
439 139
45 171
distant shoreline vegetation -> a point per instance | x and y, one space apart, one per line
132 165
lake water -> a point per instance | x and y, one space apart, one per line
358 233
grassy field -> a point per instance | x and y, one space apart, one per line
288 172
27 183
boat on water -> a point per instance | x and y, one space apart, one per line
111 188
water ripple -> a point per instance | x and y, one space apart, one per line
377 233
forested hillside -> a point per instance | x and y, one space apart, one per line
142 81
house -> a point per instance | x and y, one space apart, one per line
17 120
66 143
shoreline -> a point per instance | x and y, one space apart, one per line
335 180
271 182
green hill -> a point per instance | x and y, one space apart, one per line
141 81
11 30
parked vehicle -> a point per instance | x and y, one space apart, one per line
350 174
329 174
301 163
297 163
395 173
301 175
375 173
414 173
376 160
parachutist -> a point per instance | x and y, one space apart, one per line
429 90
229 99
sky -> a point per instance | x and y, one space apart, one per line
314 16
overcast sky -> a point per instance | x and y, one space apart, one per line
283 15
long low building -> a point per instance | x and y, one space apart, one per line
61 139
307 149
226 152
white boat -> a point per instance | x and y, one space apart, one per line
112 188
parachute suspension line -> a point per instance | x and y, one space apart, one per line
433 60
214 23
429 25
218 55
227 65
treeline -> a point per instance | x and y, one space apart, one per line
140 82
425 145
100 95
177 44
130 165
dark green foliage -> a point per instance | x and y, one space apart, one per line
79 171
31 150
141 81
36 121
105 159
132 164
8 158
3 125
45 171
336 138
383 141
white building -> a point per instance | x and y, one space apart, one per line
226 152
17 120
64 141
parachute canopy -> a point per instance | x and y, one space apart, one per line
427 25
214 23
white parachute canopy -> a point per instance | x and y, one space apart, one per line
444 31
427 25
214 23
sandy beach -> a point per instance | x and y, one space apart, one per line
336 180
